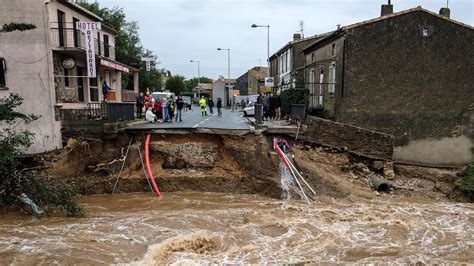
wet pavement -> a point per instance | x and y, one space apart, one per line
195 120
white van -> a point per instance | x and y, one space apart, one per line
160 95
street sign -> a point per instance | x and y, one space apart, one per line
268 82
88 27
148 61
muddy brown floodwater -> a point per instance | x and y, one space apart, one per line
195 228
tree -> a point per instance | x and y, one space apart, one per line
191 84
128 48
175 84
13 181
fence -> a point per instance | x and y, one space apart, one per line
110 112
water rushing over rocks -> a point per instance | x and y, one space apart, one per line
190 227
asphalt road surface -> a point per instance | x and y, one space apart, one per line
194 119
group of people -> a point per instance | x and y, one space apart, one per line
209 103
160 110
271 106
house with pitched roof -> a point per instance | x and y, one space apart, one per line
409 74
287 64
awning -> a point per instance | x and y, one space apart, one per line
114 65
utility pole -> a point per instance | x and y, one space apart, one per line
199 81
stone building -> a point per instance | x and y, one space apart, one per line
409 74
252 82
287 64
47 65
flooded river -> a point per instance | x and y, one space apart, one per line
195 228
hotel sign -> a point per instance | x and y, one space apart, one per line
88 27
114 66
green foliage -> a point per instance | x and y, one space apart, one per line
294 96
191 84
57 197
128 48
13 143
466 182
175 84
13 26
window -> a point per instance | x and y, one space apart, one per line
106 45
93 90
332 79
311 88
98 43
77 33
333 49
321 89
3 71
66 78
312 58
426 32
61 22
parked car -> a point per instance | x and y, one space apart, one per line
160 95
188 101
250 109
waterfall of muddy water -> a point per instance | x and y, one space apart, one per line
286 181
197 228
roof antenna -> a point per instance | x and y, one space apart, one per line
301 28
389 2
447 3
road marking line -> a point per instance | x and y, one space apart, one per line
202 122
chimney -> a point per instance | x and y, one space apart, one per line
297 36
387 9
445 12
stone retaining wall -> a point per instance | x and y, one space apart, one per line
362 141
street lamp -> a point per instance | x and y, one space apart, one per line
228 74
199 74
268 40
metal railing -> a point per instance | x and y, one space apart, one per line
111 112
72 38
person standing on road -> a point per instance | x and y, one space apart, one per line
265 104
164 110
278 106
179 108
210 103
157 110
140 104
203 105
271 107
170 106
147 100
219 106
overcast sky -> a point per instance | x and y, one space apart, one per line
182 30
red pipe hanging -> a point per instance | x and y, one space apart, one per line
148 168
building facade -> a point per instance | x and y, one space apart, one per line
221 88
252 82
47 65
409 74
287 64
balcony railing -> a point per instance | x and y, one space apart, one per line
72 38
111 112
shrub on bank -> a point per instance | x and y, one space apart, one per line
13 181
466 182
294 96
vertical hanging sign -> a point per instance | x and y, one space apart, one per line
88 28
